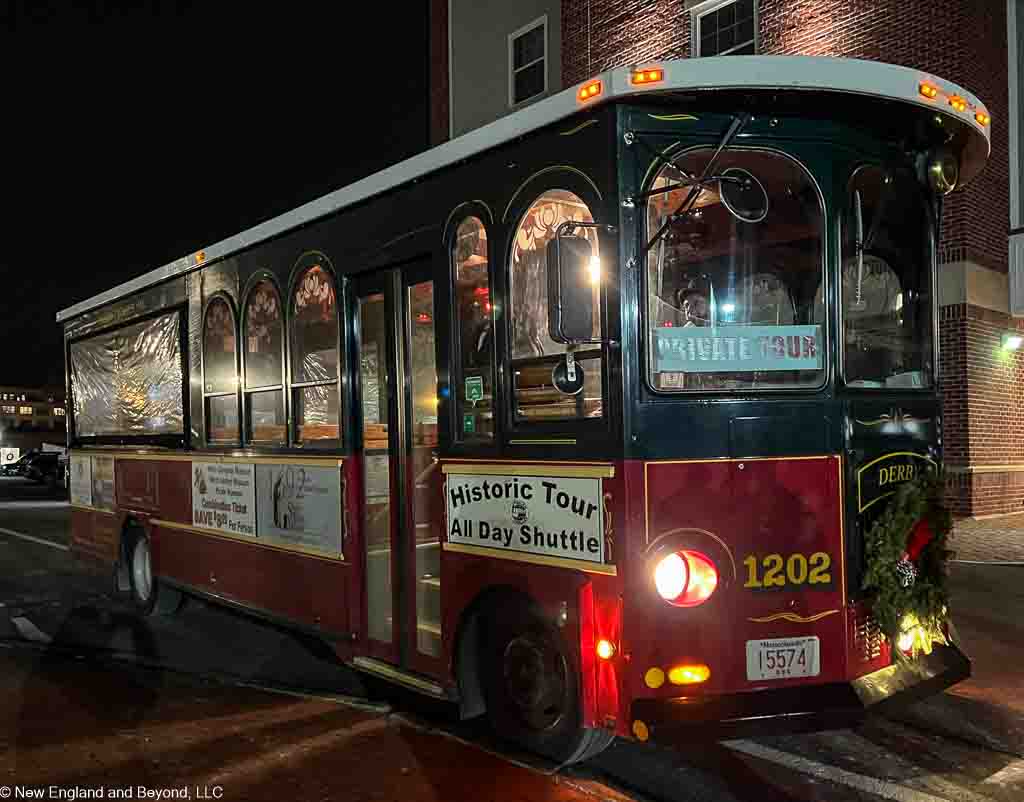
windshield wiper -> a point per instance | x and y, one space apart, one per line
861 243
697 188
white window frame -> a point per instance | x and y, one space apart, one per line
1014 28
540 22
700 10
1015 268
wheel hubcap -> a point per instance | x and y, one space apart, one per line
535 677
141 570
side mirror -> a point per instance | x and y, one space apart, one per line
570 290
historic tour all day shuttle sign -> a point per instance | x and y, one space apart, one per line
549 515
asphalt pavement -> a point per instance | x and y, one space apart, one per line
210 696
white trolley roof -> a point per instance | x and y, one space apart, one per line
802 73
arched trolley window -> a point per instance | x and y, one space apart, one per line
534 354
263 349
220 372
474 313
314 353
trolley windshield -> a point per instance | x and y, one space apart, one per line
732 291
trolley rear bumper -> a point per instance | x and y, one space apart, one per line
803 708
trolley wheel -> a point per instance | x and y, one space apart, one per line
150 596
531 689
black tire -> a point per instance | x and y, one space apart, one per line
531 688
149 595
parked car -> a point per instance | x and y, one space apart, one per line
18 467
45 467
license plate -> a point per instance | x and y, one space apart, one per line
782 658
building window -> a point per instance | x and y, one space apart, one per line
314 351
59 412
725 28
527 60
263 342
9 409
24 410
475 330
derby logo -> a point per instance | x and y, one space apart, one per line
879 478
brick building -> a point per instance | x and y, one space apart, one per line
489 59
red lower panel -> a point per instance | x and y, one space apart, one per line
307 590
773 527
95 535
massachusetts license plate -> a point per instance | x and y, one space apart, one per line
782 658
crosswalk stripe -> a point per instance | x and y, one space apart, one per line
39 540
862 782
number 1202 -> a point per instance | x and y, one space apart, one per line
774 571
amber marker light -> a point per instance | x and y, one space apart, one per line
589 91
652 75
928 90
605 649
982 118
958 103
689 674
654 677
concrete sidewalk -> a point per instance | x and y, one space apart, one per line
989 540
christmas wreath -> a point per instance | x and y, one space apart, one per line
906 556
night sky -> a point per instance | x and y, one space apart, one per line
134 134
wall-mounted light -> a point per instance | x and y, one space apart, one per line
1012 341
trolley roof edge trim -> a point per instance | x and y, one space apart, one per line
806 73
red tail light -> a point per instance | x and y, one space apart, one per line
685 578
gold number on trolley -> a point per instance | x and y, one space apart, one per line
799 570
752 580
820 563
796 569
773 577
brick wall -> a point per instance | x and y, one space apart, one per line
983 408
598 34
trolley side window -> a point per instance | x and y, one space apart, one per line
534 354
263 348
220 372
314 355
475 332
128 382
731 286
886 289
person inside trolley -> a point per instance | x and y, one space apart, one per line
693 301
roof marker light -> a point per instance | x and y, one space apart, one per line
589 91
982 118
927 89
958 103
652 75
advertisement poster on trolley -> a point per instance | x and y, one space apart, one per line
223 497
300 506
